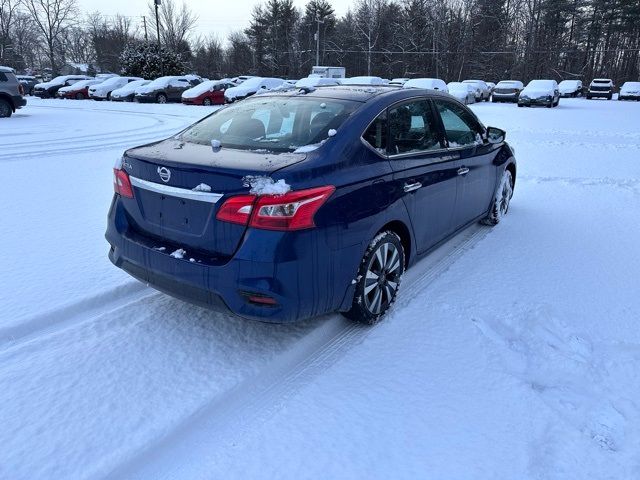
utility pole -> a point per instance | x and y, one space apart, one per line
317 35
157 3
144 21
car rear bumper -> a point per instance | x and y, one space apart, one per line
599 94
289 267
19 101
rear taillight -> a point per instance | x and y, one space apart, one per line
122 184
291 211
21 89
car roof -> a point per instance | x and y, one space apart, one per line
360 93
6 69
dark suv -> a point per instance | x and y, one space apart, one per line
11 92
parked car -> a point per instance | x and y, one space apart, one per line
210 92
11 93
314 82
483 91
102 90
600 88
49 89
428 83
399 81
462 91
79 90
164 89
507 91
28 82
540 92
242 78
629 91
127 92
570 88
270 208
251 87
364 80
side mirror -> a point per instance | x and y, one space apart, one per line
495 135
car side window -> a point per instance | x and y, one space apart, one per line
3 77
376 134
460 127
412 128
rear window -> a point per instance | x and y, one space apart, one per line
276 124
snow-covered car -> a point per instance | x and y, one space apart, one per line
126 93
629 91
210 92
507 91
600 88
364 80
79 90
11 92
483 91
242 78
165 89
250 87
462 91
399 81
50 88
427 84
570 88
28 82
102 91
540 92
314 82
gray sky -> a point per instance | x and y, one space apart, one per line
212 16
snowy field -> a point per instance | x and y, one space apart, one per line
512 353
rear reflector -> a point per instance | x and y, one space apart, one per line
259 299
291 211
122 184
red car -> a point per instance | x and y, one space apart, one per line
79 90
210 92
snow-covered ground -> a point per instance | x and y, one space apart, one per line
513 352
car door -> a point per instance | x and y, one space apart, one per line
424 173
476 171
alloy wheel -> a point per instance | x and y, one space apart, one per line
505 196
382 278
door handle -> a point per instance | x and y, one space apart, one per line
463 171
410 187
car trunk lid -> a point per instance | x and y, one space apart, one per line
179 187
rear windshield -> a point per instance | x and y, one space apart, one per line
276 124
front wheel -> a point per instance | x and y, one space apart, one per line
161 98
378 279
501 200
206 102
79 96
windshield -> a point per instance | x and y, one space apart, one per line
111 81
252 82
160 82
628 85
540 84
457 86
277 124
569 83
507 84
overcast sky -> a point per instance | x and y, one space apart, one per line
219 17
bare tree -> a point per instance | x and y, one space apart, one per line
51 18
7 12
176 23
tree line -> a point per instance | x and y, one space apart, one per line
450 39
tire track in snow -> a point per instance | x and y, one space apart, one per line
82 311
231 416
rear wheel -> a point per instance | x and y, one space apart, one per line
161 98
5 109
79 96
378 278
501 200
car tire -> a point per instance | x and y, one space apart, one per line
501 200
109 96
79 96
5 108
161 98
378 279
207 102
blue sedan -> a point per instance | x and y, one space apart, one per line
290 205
